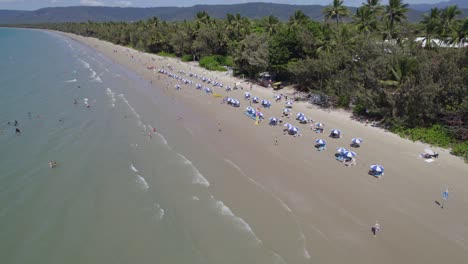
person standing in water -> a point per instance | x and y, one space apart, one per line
16 123
17 132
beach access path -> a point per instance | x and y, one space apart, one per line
334 205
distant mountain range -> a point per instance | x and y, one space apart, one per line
102 14
462 4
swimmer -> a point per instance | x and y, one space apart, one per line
76 102
16 123
17 132
52 164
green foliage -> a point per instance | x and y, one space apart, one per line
186 58
435 135
461 149
167 54
216 62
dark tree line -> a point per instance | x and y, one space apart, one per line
406 76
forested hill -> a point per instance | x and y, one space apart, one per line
101 14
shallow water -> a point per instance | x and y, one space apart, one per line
117 195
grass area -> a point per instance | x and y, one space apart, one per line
186 58
167 54
437 136
216 62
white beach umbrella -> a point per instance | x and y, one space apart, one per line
299 115
302 119
377 168
288 126
286 110
356 140
289 104
429 151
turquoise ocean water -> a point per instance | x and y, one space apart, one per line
116 196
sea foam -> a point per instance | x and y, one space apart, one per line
197 177
133 168
142 182
241 223
111 95
71 81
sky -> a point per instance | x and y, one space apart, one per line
36 4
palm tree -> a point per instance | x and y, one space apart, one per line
375 7
448 27
365 19
203 17
335 11
270 24
431 25
298 19
395 12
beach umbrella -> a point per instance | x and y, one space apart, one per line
341 150
288 126
302 119
278 96
320 141
286 110
255 99
349 154
260 115
356 140
273 120
289 104
299 115
293 130
336 132
318 124
247 95
377 168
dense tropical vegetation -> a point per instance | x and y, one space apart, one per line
411 78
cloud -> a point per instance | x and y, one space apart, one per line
123 3
91 3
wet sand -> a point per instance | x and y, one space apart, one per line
333 206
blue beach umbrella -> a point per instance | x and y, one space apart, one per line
247 95
318 124
288 126
349 154
336 132
341 150
299 115
356 140
293 130
302 119
273 120
255 99
320 142
377 168
289 104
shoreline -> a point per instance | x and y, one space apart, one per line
308 182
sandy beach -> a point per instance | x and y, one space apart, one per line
333 205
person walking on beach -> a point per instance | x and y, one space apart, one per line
276 141
375 228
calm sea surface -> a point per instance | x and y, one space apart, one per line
116 196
